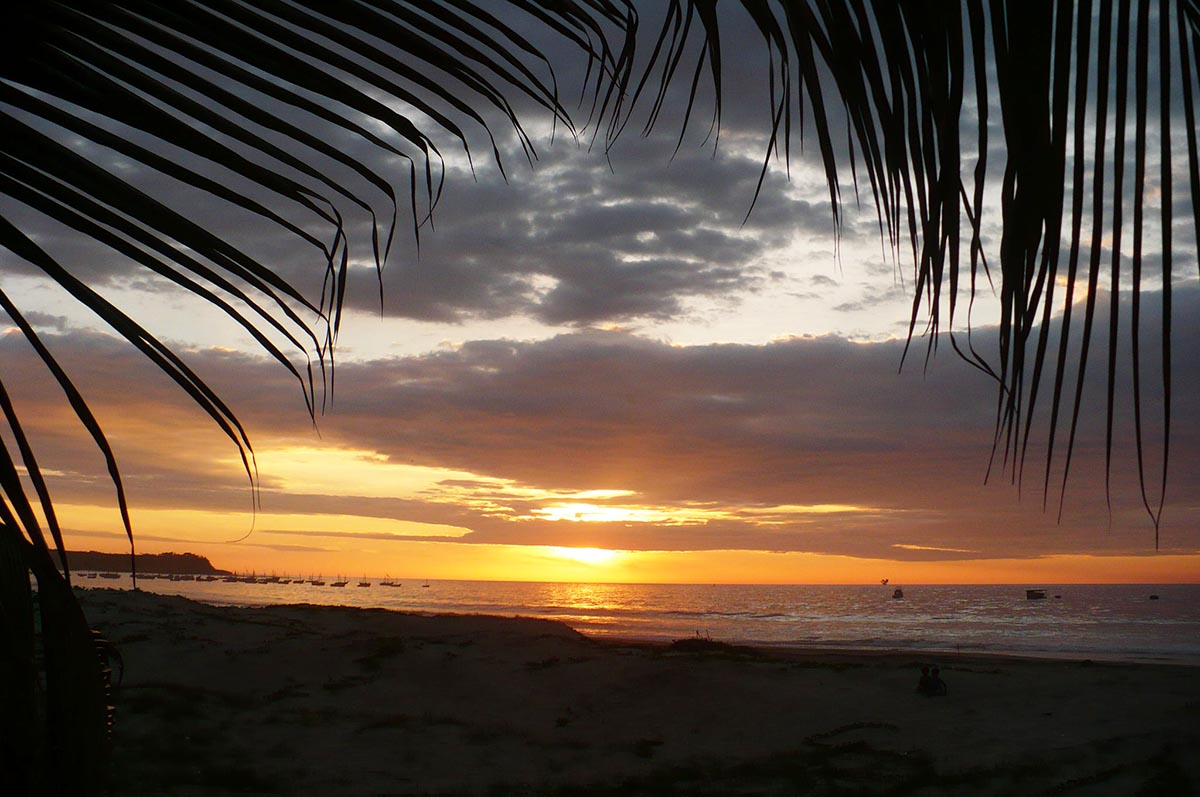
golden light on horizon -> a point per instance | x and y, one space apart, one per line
352 472
345 471
589 556
396 556
583 512
316 542
204 526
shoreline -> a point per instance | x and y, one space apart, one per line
787 650
978 656
931 652
316 698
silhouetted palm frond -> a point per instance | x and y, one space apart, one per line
899 74
257 90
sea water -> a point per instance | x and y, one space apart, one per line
1103 622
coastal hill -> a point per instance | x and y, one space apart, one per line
181 563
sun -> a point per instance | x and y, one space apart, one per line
588 556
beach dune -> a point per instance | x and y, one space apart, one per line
333 700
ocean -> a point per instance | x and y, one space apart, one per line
1100 622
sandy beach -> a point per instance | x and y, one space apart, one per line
331 700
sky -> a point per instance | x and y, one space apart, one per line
598 369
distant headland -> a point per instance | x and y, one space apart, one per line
173 563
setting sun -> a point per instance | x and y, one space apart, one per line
588 556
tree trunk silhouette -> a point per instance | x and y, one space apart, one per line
54 725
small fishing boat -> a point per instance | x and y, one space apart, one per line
339 584
1035 594
898 594
364 582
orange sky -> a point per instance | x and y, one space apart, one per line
267 552
761 476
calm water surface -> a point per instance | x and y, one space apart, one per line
1118 622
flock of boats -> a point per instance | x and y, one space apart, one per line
897 593
316 581
1030 594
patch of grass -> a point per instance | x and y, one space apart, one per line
705 645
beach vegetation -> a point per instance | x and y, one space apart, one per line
885 90
708 646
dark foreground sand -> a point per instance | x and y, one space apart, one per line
339 701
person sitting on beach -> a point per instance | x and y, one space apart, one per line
936 685
923 682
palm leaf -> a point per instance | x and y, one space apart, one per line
898 70
20 728
107 60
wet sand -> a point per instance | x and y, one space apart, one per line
334 700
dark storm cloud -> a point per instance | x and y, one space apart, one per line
639 240
575 243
